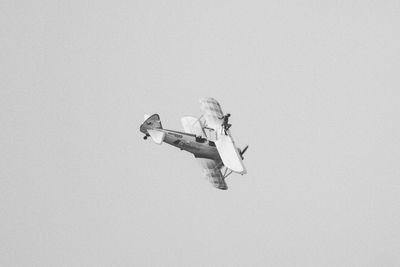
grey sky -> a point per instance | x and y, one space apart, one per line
313 88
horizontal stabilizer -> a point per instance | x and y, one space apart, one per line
157 136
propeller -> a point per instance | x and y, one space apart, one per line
243 151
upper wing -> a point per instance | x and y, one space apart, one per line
230 154
227 149
192 125
212 113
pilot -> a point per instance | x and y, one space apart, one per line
225 124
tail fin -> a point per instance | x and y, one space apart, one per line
151 127
152 122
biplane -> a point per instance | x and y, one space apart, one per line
208 138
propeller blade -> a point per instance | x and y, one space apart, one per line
243 151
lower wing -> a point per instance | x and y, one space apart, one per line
212 171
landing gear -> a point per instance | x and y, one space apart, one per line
145 137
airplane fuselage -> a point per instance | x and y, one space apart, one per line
198 146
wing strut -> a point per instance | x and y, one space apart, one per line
227 172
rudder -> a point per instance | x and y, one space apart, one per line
153 121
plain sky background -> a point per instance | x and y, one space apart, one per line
312 86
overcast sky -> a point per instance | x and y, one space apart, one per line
313 87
